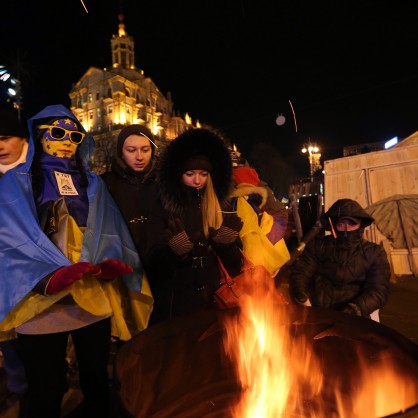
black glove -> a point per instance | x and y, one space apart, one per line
351 308
229 230
178 240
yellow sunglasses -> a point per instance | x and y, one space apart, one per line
59 134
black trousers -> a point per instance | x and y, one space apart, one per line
44 358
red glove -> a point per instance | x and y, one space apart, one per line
66 276
111 268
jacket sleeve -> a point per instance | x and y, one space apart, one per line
374 294
161 261
303 270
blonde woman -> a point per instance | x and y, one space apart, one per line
192 225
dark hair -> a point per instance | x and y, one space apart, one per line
36 169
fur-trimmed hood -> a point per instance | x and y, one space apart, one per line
245 189
190 144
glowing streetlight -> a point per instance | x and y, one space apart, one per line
13 88
314 157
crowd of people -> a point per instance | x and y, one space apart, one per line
88 258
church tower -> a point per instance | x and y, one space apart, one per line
106 100
122 47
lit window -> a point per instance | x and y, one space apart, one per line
91 114
90 98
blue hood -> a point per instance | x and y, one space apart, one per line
85 149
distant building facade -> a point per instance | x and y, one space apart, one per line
105 101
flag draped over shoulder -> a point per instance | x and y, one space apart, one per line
256 246
27 255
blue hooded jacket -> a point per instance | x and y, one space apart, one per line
26 253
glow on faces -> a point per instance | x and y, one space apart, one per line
346 225
60 148
136 152
195 178
10 148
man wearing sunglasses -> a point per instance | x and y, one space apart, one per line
61 138
69 258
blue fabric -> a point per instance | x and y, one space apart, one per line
78 205
27 255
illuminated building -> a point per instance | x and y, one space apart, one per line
105 101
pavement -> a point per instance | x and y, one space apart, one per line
400 314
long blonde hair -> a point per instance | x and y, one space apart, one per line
211 209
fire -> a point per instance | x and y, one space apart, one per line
283 375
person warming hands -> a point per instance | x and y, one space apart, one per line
190 227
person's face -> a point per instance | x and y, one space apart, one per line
61 142
136 152
10 149
195 178
348 225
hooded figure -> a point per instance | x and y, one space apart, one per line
131 180
264 218
63 246
192 224
342 271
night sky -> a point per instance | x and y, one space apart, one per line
348 68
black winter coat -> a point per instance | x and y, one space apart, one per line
334 273
135 194
184 285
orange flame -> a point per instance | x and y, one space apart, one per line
275 368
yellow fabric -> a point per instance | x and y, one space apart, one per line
256 246
130 310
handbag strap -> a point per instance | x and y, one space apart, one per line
246 263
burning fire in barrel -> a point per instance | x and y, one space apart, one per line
266 360
317 365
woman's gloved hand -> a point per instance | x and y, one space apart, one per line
66 276
229 230
178 240
110 269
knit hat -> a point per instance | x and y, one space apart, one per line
245 175
134 130
198 162
10 125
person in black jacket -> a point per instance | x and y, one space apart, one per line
131 180
192 225
342 271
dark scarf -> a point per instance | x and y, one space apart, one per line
131 176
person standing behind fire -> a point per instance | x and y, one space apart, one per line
62 242
192 224
131 180
342 271
264 217
260 195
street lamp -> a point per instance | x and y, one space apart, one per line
13 89
314 157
